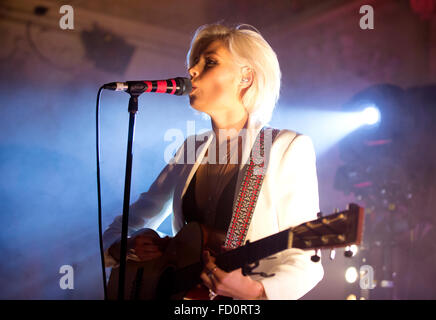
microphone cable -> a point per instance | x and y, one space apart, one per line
100 228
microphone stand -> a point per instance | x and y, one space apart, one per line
133 108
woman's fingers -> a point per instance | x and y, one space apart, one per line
209 264
146 242
145 256
212 275
146 247
207 281
207 258
139 240
149 256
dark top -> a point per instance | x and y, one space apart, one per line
223 213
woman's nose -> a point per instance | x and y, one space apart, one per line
193 73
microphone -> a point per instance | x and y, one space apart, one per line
178 86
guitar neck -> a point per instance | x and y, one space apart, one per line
333 231
253 251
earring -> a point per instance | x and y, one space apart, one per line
244 80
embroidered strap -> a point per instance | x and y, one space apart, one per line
249 191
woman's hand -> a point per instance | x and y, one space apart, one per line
147 247
143 246
230 284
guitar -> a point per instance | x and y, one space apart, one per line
176 274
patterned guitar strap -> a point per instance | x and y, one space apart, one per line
249 190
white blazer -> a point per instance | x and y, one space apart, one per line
288 197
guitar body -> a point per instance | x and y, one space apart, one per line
154 279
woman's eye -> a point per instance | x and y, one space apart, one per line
210 62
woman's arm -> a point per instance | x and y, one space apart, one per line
151 208
297 202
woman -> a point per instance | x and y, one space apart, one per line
236 81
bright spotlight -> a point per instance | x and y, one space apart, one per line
351 275
370 115
352 249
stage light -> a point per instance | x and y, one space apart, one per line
351 275
353 248
370 115
351 297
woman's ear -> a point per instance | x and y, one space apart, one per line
246 81
246 77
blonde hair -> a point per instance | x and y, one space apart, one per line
249 48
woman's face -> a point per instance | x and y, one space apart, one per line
216 80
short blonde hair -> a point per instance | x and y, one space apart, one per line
249 48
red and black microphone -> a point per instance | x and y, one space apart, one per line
178 86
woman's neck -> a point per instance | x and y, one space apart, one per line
229 123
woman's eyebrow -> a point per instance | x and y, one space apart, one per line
210 52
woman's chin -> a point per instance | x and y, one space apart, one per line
195 105
192 101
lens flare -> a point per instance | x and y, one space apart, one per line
351 275
370 115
